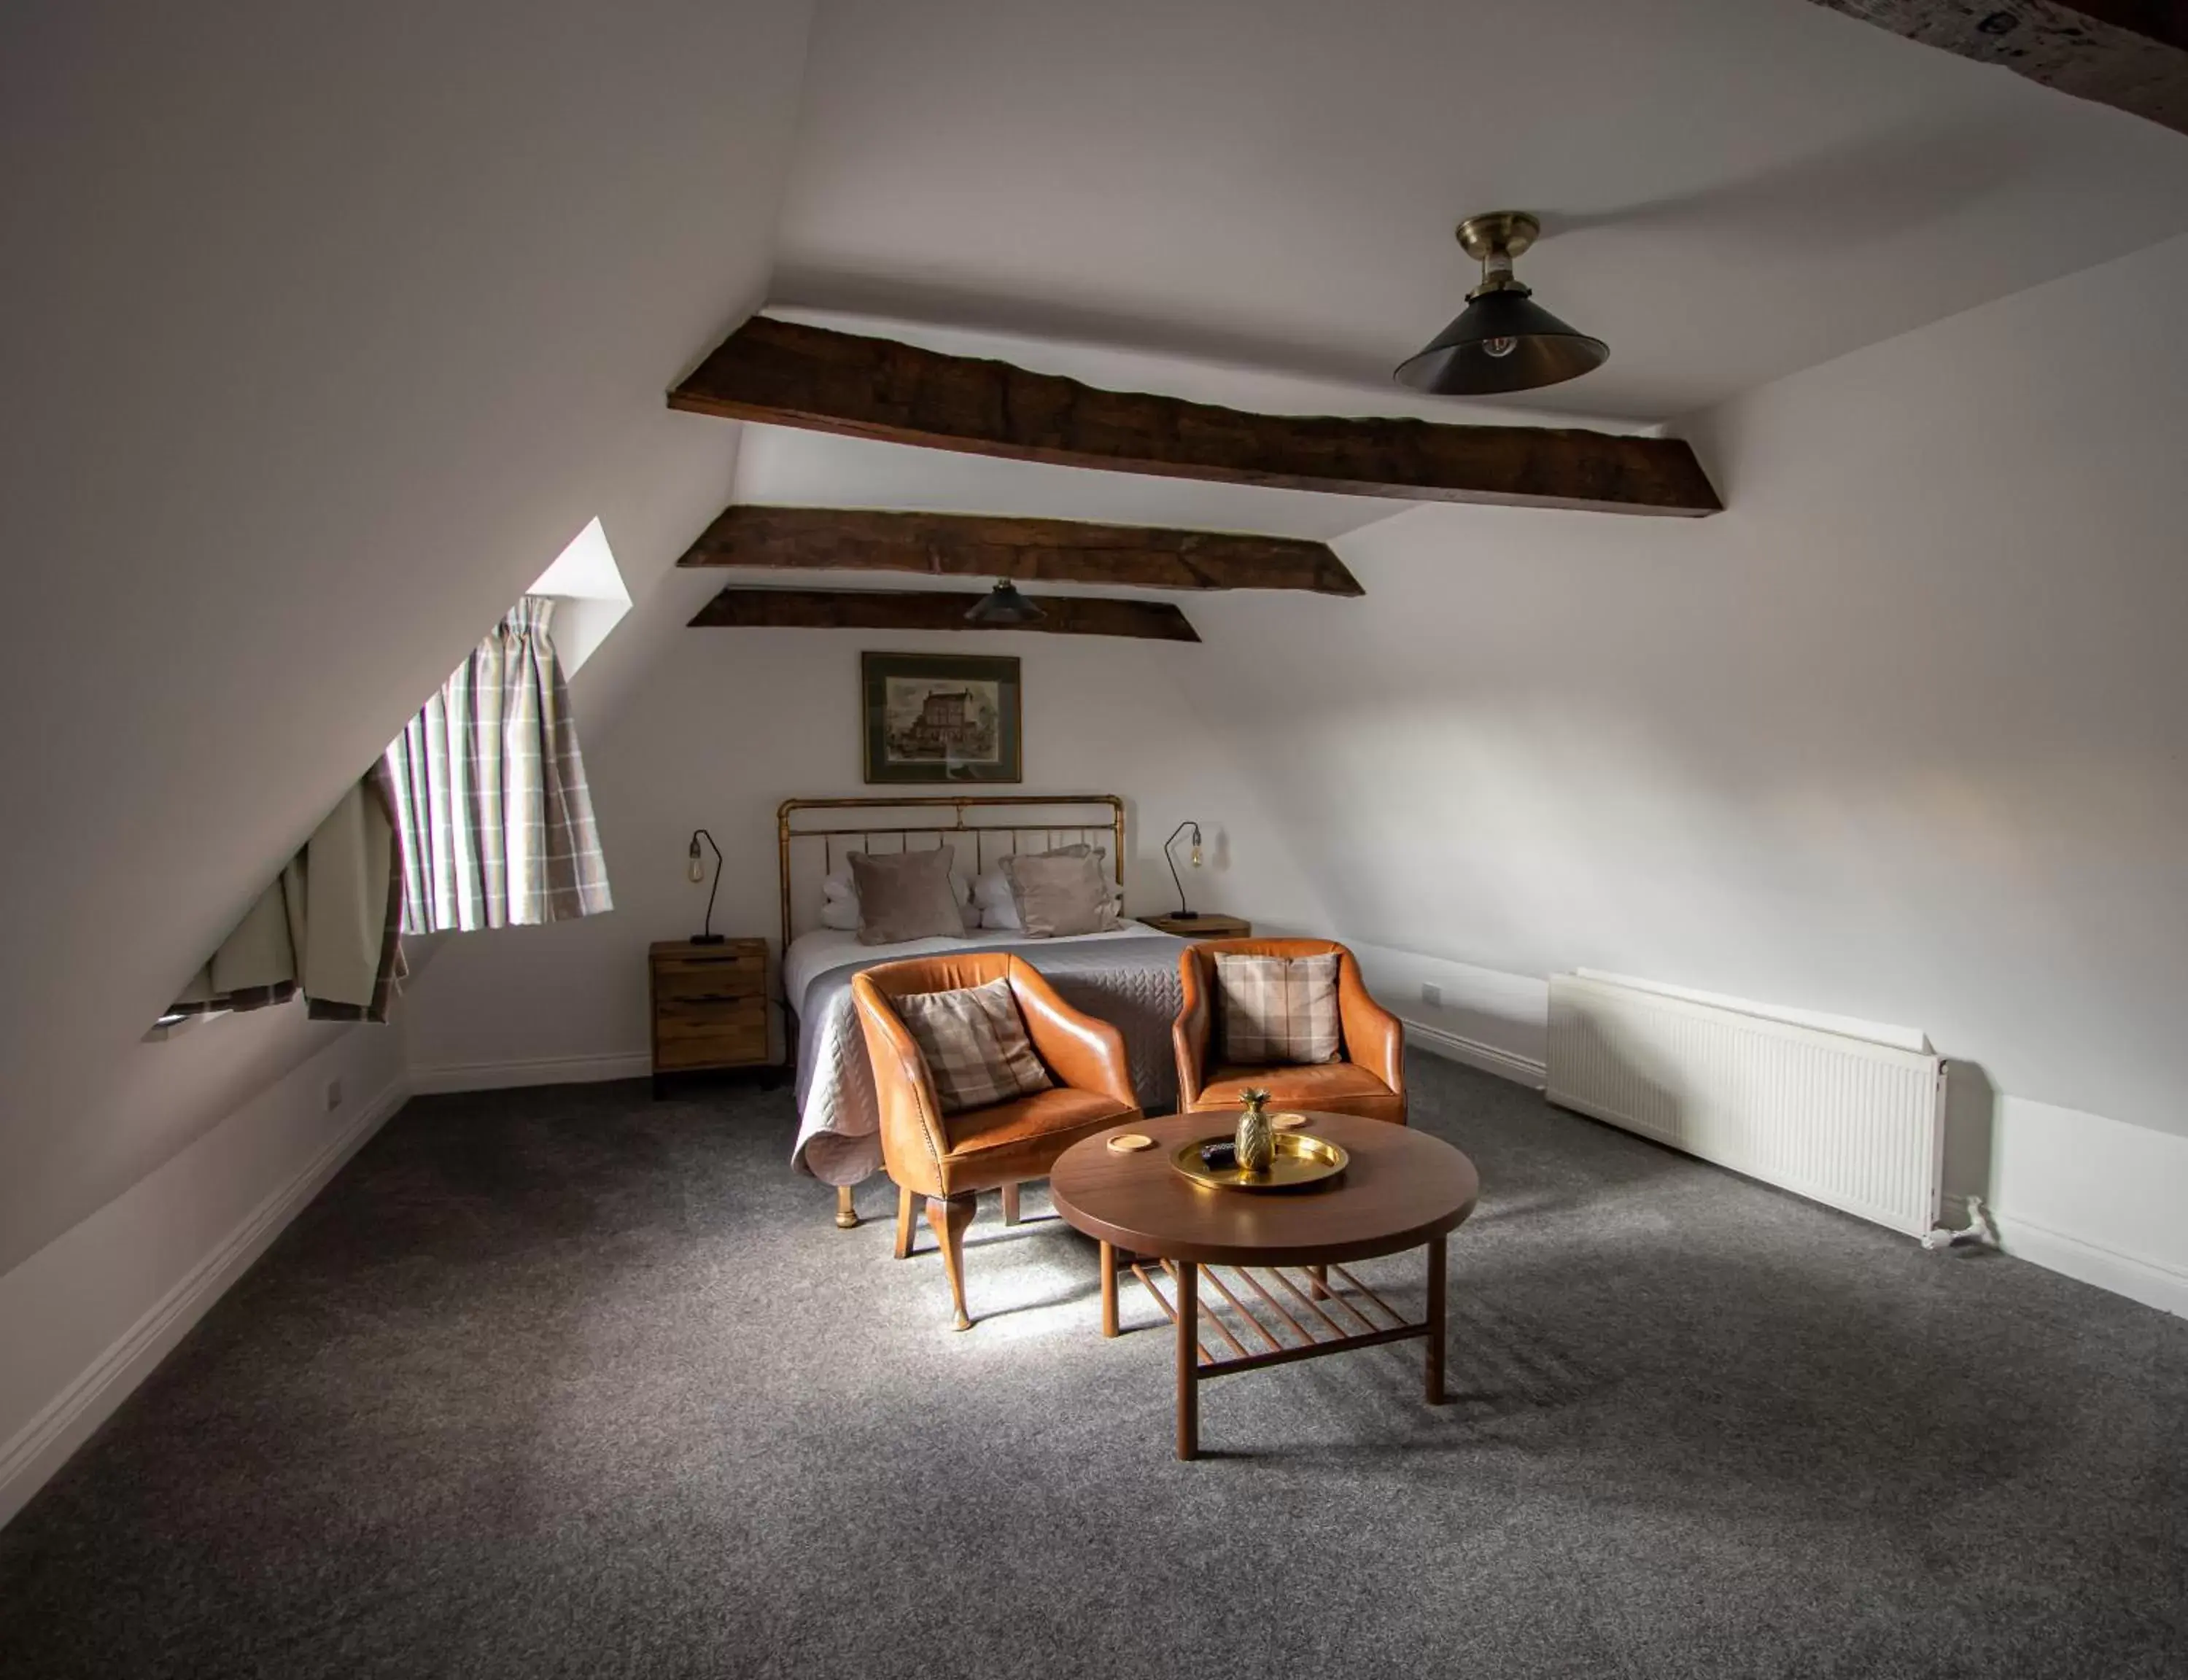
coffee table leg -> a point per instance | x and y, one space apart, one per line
1436 1315
1109 1289
1188 1360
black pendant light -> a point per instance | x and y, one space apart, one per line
1004 608
1503 340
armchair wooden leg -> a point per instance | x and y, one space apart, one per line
1010 1204
847 1212
949 1216
905 1222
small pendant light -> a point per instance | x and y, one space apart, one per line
1003 608
1502 341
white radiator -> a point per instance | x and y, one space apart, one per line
1855 1124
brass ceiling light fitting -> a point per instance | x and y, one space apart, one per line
1003 608
1502 339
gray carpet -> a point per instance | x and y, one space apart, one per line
565 1382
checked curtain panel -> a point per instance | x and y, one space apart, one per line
491 806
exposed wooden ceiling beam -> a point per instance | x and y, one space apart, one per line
788 374
936 610
2130 54
1029 550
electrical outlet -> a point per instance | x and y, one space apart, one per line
334 1095
1432 993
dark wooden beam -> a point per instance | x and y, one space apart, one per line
787 374
935 610
1029 550
2130 54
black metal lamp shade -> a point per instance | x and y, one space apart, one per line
1003 607
1503 341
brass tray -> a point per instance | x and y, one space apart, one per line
1301 1160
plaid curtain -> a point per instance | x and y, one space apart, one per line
492 812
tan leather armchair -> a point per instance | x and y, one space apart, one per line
948 1158
1370 1081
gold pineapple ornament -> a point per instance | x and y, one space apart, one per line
1256 1141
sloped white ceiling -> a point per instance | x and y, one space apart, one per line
325 330
1731 189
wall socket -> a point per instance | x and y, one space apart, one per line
334 1095
1431 993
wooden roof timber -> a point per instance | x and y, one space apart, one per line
2130 54
936 610
784 373
1029 550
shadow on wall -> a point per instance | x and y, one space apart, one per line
1971 1126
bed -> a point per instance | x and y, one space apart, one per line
1128 976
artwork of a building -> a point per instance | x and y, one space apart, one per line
945 728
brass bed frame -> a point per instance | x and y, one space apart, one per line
793 826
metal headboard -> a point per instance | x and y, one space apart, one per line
793 825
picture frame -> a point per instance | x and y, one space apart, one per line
940 718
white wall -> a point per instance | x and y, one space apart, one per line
1897 736
729 723
323 330
326 329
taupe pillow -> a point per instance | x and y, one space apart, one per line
1057 895
906 895
1279 1010
975 1044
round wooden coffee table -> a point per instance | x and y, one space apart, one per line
1403 1189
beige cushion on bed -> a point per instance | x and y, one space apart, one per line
1278 1010
1060 894
906 895
975 1045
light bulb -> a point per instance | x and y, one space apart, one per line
1196 855
1499 348
696 871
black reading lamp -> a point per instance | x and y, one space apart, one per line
698 872
1172 861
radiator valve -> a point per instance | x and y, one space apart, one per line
1978 1229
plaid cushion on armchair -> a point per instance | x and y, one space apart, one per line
975 1044
1279 1010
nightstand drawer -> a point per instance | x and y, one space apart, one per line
708 1044
726 983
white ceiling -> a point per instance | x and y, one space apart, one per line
1732 190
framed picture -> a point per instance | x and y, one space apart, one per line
941 717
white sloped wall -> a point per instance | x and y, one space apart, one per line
323 331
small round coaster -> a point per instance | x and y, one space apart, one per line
1127 1142
1287 1122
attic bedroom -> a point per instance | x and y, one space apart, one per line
875 839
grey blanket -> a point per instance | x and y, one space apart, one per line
1131 981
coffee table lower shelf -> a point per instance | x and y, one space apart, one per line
1311 1311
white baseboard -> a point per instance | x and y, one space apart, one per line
1506 1065
42 1446
2152 1283
534 1070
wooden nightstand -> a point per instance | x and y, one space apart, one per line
710 1007
1202 927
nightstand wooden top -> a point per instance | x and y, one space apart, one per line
1210 925
686 947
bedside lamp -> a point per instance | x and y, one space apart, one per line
1171 860
697 872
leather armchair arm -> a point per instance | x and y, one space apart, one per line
1081 1052
1188 1033
913 1140
1374 1037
